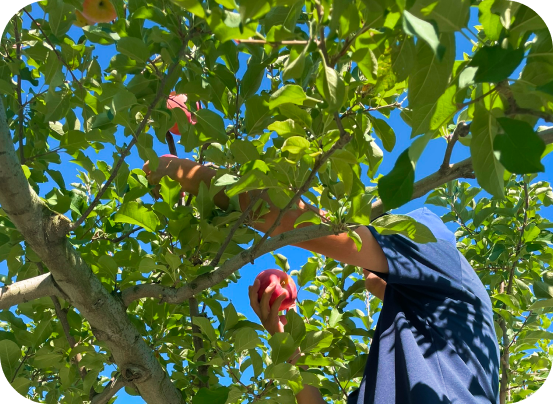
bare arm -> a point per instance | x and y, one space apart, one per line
340 247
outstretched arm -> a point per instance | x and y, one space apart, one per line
339 247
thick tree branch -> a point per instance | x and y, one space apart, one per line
17 38
27 290
202 282
46 231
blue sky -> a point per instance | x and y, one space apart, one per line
237 293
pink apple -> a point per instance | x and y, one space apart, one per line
284 284
179 101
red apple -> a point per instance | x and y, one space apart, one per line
284 284
99 10
179 101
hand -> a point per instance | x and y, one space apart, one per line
268 315
165 167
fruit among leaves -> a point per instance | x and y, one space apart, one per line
179 101
284 284
99 10
81 21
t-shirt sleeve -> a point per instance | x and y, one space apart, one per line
433 267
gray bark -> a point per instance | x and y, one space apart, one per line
27 290
45 231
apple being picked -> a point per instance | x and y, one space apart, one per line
99 10
179 101
284 284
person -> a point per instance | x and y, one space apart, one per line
435 339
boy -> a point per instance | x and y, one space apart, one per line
435 340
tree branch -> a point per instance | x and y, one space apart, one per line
197 341
126 152
109 391
27 290
204 281
17 38
46 232
461 130
60 58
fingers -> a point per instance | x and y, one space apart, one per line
265 308
276 305
252 291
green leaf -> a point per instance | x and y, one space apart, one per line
244 151
332 87
405 225
287 128
293 69
245 338
210 127
423 30
316 341
253 9
295 326
108 265
495 63
295 145
258 114
488 170
335 317
308 272
10 355
206 327
282 347
131 212
489 20
193 6
396 187
361 209
170 190
134 48
430 76
290 93
449 16
307 217
252 79
216 395
285 373
21 385
403 58
520 148
384 132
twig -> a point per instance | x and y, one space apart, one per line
461 130
126 152
235 227
124 236
521 327
27 355
347 44
109 391
60 58
272 43
62 316
198 343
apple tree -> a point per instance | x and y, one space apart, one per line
291 98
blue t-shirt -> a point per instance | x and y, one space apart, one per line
435 340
